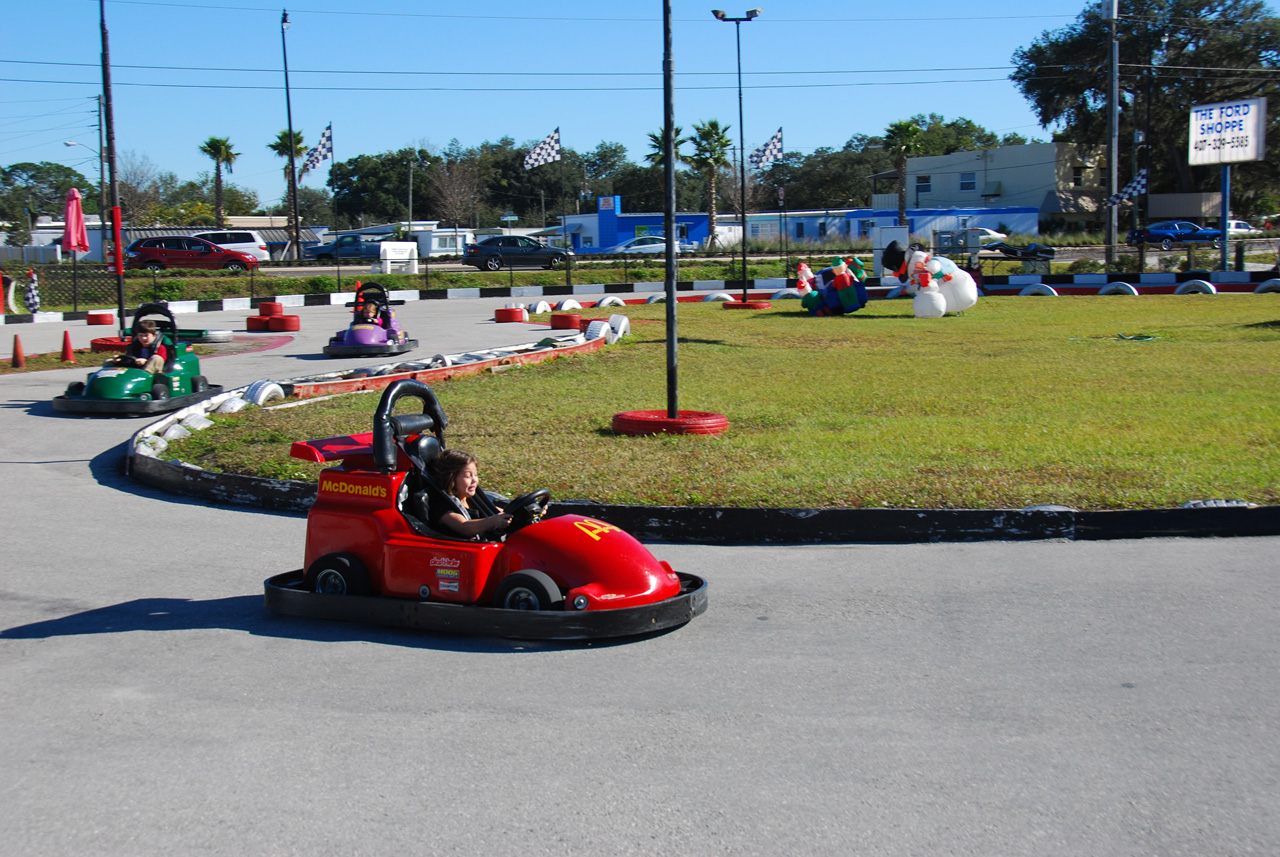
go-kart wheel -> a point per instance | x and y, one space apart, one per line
528 590
76 388
199 384
337 574
159 392
493 263
528 508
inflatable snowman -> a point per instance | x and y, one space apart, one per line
937 284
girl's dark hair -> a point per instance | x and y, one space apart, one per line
449 464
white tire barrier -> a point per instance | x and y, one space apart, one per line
217 336
197 422
1039 289
1195 287
621 324
612 300
718 296
539 307
567 303
231 406
655 298
1117 289
440 361
597 329
785 294
261 392
1268 286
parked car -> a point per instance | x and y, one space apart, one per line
647 244
344 247
183 251
985 234
1166 233
240 240
508 251
1241 229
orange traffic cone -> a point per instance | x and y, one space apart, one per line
19 359
68 356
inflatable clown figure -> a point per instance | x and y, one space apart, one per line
937 284
838 289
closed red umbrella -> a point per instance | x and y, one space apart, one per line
74 234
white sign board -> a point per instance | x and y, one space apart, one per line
1228 132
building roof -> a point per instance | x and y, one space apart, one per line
270 235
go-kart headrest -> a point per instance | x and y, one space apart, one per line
406 425
426 450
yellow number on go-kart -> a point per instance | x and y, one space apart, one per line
595 528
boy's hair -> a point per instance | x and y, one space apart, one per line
449 464
145 326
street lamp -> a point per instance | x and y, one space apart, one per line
102 194
292 202
742 136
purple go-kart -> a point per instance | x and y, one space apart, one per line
374 331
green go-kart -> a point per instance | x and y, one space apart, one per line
117 390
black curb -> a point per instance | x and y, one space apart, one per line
724 525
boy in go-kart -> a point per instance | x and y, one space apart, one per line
145 351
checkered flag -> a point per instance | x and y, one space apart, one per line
768 153
545 152
322 151
1137 185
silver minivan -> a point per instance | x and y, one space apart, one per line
241 240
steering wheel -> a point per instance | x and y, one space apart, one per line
528 508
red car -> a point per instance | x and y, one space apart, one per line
183 251
372 556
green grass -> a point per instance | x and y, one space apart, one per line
1015 402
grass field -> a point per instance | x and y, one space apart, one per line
1124 402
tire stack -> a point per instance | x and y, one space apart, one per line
271 317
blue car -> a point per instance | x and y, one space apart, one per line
1166 233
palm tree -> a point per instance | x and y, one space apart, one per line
282 148
219 149
711 146
902 140
657 149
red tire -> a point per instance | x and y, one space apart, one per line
636 423
747 305
108 344
284 322
566 321
509 314
270 308
101 318
257 323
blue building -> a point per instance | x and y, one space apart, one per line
610 225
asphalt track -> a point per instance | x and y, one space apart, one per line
1047 698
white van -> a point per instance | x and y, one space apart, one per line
242 240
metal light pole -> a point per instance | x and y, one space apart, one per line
742 135
102 193
292 202
117 251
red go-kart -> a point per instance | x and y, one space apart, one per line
373 556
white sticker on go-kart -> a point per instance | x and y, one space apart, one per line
109 373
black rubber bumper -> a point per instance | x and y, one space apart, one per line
129 407
285 594
370 350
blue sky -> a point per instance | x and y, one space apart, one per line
428 72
